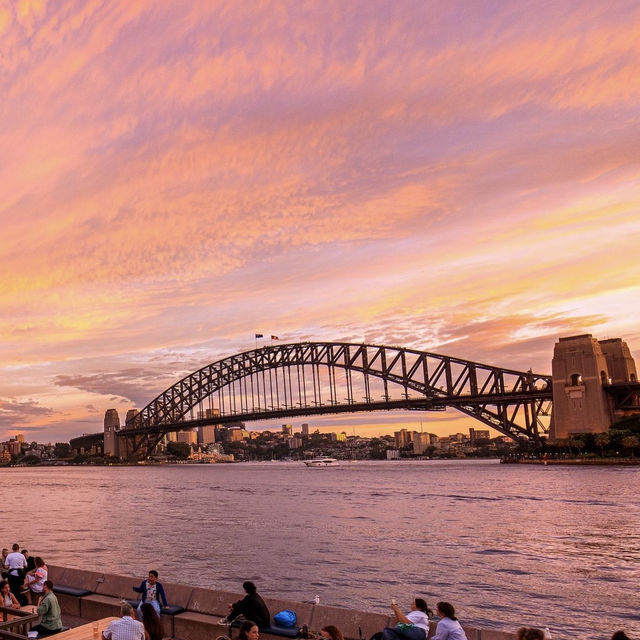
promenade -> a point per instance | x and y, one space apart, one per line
99 595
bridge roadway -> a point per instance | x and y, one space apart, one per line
626 395
411 404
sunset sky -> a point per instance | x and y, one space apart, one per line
458 177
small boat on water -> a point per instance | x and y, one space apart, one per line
322 461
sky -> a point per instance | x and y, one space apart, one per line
457 177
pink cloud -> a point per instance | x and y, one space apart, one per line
460 175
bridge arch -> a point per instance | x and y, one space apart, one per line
311 378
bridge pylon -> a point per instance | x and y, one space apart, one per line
582 369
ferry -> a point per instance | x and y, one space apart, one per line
322 461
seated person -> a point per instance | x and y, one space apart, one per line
411 626
249 631
251 607
529 633
49 612
126 627
31 563
7 599
331 632
3 560
35 579
152 592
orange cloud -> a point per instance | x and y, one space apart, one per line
172 177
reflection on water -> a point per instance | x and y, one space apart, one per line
507 544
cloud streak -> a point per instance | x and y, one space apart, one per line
449 175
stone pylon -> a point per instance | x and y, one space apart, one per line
581 367
111 428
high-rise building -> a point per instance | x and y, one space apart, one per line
420 442
295 442
305 429
403 438
111 428
190 436
234 434
207 434
288 429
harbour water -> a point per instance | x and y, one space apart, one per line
507 544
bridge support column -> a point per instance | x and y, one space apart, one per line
580 405
111 428
622 367
581 366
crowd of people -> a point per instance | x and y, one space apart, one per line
25 585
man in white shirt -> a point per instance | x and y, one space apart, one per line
16 564
126 628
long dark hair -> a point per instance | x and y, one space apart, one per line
151 621
334 632
421 605
447 610
530 633
245 627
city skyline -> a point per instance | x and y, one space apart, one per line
460 178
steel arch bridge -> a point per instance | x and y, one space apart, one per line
313 378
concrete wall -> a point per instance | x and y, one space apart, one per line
204 607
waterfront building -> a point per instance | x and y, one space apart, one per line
295 442
393 454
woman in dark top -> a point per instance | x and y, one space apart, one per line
252 607
152 624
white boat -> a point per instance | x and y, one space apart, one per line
322 461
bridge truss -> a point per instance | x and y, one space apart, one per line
313 378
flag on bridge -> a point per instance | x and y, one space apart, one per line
275 338
259 335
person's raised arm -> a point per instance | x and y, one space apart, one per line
399 615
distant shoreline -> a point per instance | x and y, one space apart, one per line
580 462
